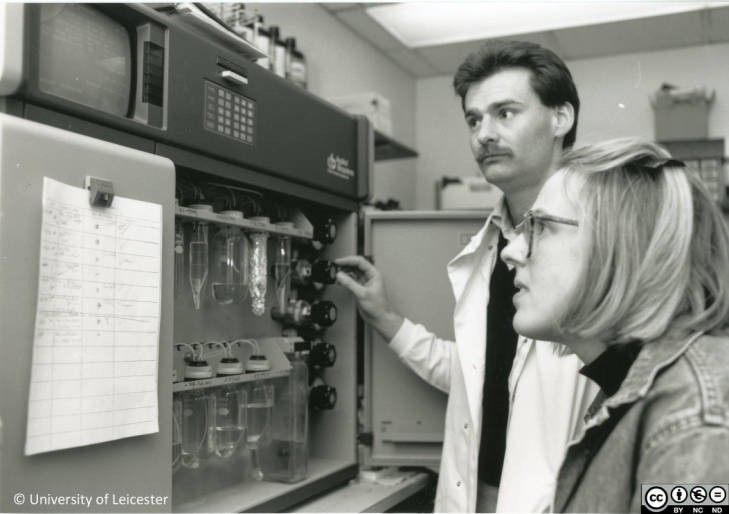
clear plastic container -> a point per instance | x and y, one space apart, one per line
258 269
259 404
199 255
230 419
282 269
195 418
176 434
179 257
229 270
230 408
284 457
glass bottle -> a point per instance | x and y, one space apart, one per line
199 255
296 70
284 457
176 434
179 256
230 410
196 408
229 273
282 268
258 269
259 404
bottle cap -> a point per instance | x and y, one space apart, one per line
230 366
198 370
201 207
258 362
233 214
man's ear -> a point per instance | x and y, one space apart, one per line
563 119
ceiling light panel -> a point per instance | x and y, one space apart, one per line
420 24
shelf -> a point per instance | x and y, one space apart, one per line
387 148
178 387
191 13
262 496
299 230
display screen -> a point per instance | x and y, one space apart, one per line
85 57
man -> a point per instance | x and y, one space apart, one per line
513 405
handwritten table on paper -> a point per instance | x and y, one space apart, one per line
95 350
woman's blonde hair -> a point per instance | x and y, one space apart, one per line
658 248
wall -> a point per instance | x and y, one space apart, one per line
341 63
604 85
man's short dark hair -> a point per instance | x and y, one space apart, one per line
550 78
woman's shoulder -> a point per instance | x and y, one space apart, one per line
694 389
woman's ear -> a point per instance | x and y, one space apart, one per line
563 119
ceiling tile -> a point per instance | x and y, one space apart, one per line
718 30
644 35
447 58
413 62
361 22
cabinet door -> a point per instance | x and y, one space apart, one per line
404 414
137 466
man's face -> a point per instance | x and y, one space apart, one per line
512 134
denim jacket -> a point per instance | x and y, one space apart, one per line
668 423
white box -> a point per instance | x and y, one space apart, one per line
470 193
371 104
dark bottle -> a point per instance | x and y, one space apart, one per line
322 397
295 68
300 313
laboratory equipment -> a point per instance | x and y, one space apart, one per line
322 397
284 457
282 268
259 405
196 407
230 253
199 255
300 313
258 268
179 257
176 434
230 405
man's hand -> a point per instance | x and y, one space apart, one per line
369 290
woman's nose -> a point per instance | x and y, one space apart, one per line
515 252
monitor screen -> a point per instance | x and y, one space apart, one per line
85 57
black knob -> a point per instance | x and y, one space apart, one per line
324 271
325 232
322 397
323 313
323 355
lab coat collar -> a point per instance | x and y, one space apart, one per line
470 275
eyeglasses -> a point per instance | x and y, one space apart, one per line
533 223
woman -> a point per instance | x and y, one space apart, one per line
624 258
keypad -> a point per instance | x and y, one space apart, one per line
229 113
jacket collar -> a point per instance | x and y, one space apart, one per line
654 357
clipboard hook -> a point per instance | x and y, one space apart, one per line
101 191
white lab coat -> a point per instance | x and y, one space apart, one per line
548 397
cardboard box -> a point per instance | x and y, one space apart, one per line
371 104
471 193
681 114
